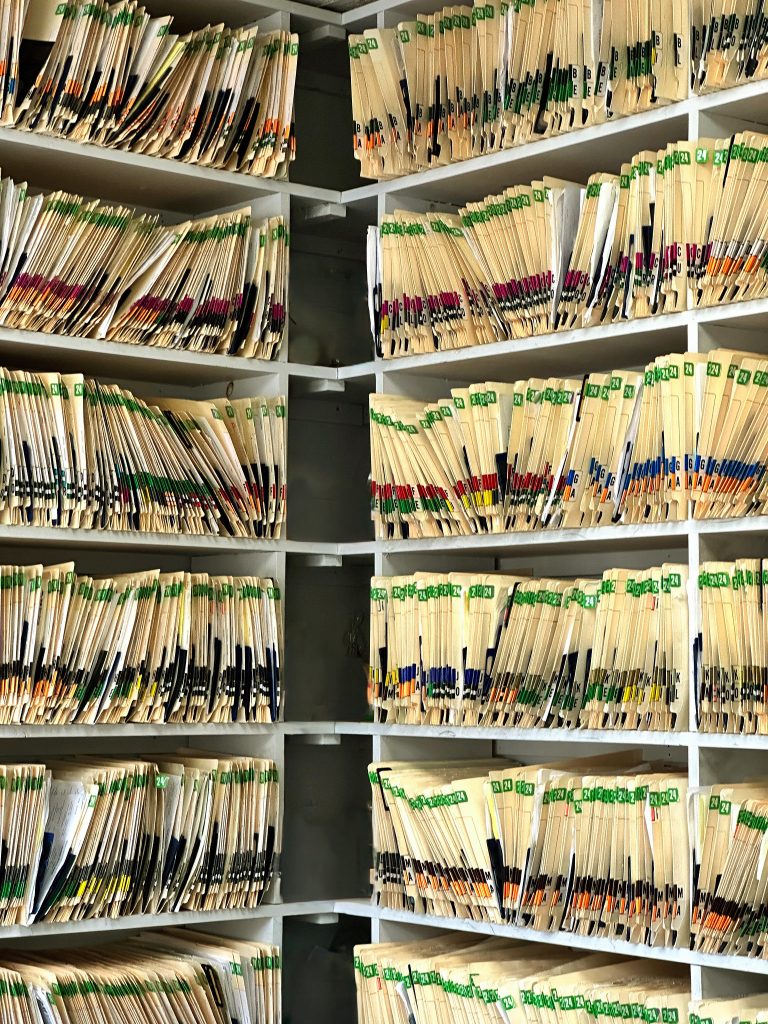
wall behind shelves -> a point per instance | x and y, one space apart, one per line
327 829
329 456
325 678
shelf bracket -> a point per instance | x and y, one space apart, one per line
320 561
316 213
324 386
320 918
322 35
322 739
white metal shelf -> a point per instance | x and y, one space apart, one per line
155 182
625 344
192 730
168 543
650 536
103 926
642 536
574 155
683 740
622 537
35 349
143 730
615 737
242 12
363 908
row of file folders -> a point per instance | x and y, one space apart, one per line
163 976
474 79
609 847
81 267
145 646
612 652
88 838
78 453
684 438
452 978
114 74
677 228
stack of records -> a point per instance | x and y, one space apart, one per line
109 838
675 229
157 977
73 266
494 981
686 438
141 647
113 75
732 658
729 825
596 847
471 80
74 452
507 651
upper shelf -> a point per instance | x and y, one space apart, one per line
570 940
34 350
651 537
137 922
624 345
191 14
575 155
152 182
630 537
168 543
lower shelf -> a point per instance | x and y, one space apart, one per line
364 908
137 922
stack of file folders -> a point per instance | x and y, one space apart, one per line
508 651
599 847
594 847
74 266
450 978
685 438
162 976
475 79
113 75
92 838
675 229
75 452
731 649
147 646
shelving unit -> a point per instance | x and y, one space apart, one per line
326 559
178 190
568 552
